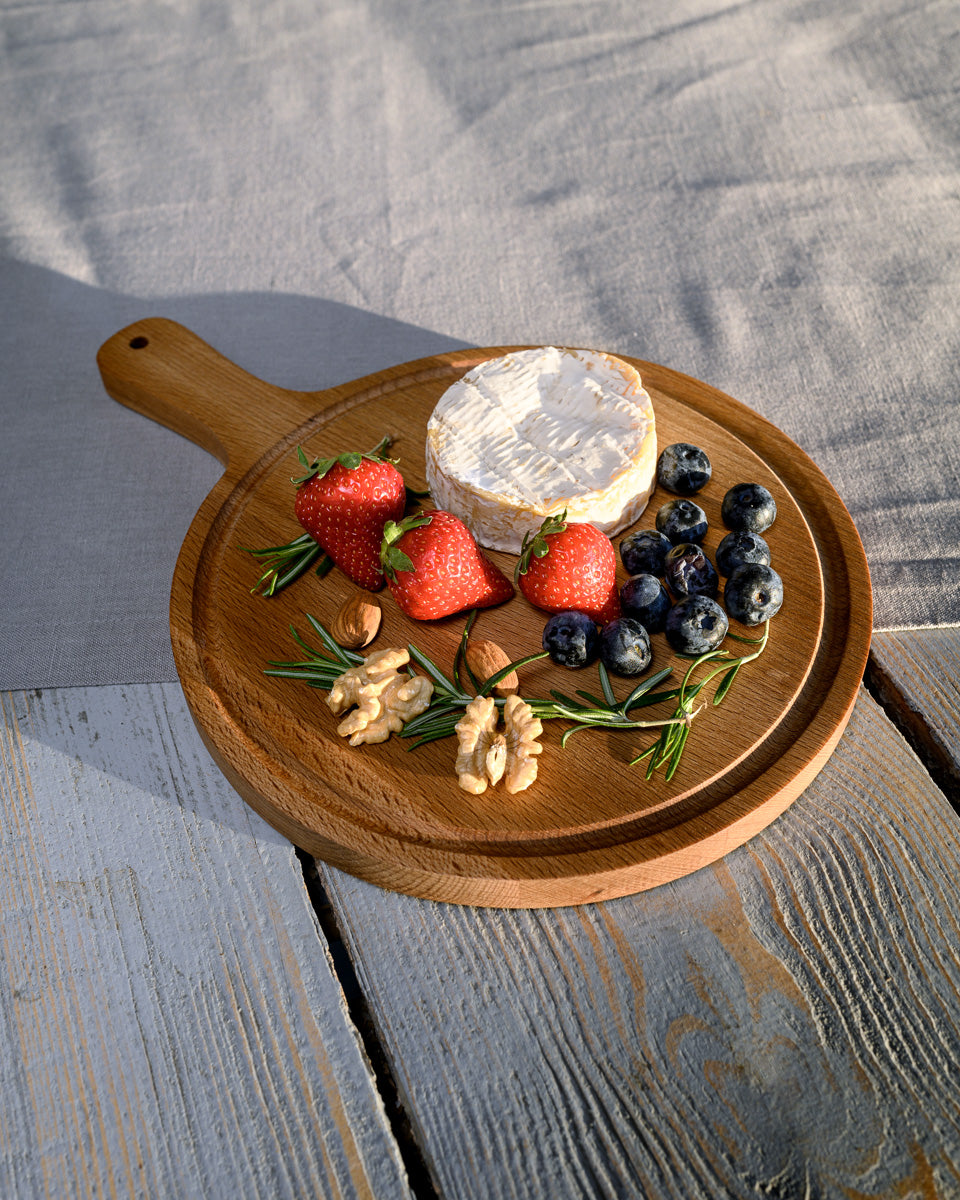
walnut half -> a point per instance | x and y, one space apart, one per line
380 699
486 755
523 729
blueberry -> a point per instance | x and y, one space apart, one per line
683 469
643 552
748 507
682 521
689 572
696 625
736 549
571 639
625 647
645 599
753 593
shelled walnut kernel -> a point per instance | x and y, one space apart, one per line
380 699
486 755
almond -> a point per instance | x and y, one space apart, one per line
357 622
485 658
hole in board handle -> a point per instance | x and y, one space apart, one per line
139 342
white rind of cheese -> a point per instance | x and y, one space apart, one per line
535 432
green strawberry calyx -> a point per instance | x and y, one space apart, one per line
349 460
535 545
392 558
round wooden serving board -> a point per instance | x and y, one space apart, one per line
591 827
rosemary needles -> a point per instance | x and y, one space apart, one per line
582 710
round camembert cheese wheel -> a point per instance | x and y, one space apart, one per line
538 431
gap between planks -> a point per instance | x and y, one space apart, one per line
418 1175
914 676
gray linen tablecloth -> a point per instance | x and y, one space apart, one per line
763 195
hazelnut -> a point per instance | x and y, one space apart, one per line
357 622
485 658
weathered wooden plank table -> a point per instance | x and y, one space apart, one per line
191 1008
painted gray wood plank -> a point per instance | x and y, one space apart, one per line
785 1023
170 1025
917 675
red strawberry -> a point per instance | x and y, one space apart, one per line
344 503
570 566
434 567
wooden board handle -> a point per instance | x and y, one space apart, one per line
162 370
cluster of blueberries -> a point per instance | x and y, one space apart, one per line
673 586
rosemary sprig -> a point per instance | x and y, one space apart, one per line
321 667
451 696
584 711
283 564
667 750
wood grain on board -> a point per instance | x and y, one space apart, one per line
590 828
785 1022
170 1024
